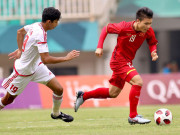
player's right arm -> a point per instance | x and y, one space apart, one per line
99 50
112 28
20 37
48 59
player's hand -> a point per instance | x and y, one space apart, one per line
15 55
99 52
154 56
73 54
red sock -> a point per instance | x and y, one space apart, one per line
97 93
134 99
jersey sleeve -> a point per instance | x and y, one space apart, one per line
41 42
151 40
27 27
102 38
115 28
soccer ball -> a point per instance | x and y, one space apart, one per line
163 117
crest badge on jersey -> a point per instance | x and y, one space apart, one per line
128 34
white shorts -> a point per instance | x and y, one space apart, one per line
15 84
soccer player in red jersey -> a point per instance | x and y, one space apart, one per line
131 35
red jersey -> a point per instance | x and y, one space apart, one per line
129 40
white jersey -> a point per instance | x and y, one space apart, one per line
35 42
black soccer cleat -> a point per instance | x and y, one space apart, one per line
63 116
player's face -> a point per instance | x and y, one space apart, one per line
53 24
144 24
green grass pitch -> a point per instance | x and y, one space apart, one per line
87 121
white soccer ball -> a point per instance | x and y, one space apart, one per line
163 116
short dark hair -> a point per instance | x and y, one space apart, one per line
51 13
144 13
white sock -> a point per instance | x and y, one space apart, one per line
57 100
1 105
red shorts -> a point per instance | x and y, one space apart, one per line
123 71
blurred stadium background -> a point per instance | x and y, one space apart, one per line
79 28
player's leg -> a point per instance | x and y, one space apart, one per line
82 96
57 89
114 91
99 93
136 82
14 85
96 93
134 94
7 99
45 76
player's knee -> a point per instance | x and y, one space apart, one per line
114 94
7 101
10 101
59 91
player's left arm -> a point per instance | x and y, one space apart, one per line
20 37
151 39
154 56
43 50
48 59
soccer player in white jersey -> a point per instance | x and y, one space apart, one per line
30 57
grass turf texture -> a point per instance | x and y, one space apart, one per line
87 121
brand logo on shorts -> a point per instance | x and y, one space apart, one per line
130 64
50 73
